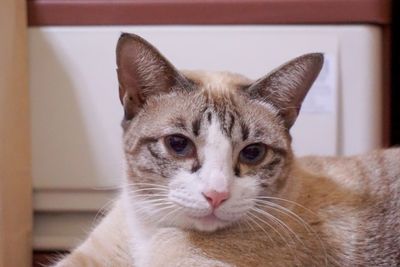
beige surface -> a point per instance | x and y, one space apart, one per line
15 181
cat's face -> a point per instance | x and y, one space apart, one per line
202 148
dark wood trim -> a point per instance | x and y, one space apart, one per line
386 85
150 12
394 97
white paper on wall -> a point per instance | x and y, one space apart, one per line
322 97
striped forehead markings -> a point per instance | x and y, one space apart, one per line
196 123
244 129
209 117
196 126
226 117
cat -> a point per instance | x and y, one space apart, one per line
211 179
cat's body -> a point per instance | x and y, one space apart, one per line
211 179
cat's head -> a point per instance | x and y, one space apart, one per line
202 148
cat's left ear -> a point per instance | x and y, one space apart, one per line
142 72
286 87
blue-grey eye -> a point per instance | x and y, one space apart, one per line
179 145
253 154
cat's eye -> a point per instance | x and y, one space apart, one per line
180 145
253 154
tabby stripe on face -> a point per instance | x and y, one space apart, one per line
196 124
196 166
159 165
272 165
148 170
209 117
153 172
274 170
141 142
153 152
237 170
180 123
244 130
231 123
227 122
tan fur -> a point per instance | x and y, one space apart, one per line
217 82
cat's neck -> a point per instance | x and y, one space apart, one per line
139 231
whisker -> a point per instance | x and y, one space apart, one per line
146 195
240 227
153 195
166 207
262 228
280 222
285 211
162 205
147 184
153 201
148 189
289 201
297 218
108 188
279 234
169 214
273 228
248 224
104 208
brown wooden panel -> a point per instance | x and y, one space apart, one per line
15 156
120 12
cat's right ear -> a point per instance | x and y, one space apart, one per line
286 87
142 71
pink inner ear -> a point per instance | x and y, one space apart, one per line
142 72
287 86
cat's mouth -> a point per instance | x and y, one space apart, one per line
209 218
209 222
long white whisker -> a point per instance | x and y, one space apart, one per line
300 220
279 234
166 207
248 224
280 222
103 208
155 201
154 185
152 195
288 201
259 226
273 228
169 213
159 207
148 189
285 211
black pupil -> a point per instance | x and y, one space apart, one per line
251 152
178 143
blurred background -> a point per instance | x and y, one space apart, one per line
60 156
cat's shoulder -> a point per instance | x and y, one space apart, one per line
388 156
378 164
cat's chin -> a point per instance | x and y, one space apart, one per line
209 223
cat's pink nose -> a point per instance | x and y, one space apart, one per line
215 198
